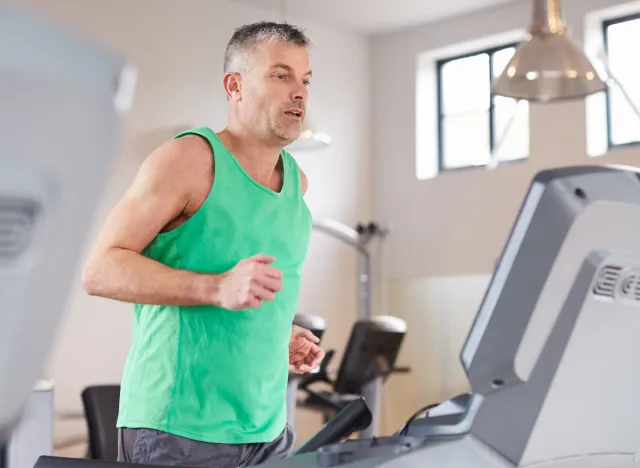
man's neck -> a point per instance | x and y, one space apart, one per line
259 159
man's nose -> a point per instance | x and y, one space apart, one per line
300 92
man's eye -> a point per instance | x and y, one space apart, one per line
281 77
307 82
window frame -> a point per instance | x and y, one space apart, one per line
440 63
605 42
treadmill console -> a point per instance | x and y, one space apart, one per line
331 448
355 417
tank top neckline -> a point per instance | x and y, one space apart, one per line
285 170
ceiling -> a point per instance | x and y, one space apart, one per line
374 16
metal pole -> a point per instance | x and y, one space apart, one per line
338 230
365 286
292 398
372 392
547 17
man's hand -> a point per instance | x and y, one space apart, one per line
304 354
249 283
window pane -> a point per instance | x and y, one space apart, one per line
516 140
500 60
465 85
619 37
465 140
625 124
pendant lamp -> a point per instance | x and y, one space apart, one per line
548 65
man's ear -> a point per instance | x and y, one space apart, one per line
233 86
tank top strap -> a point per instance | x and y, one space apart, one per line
205 132
220 154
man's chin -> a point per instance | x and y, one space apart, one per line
288 139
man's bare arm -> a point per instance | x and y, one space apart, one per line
160 192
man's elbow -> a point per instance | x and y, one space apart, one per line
91 277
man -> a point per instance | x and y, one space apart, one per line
209 243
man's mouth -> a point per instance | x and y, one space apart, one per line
297 113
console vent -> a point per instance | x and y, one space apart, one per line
630 286
16 225
607 280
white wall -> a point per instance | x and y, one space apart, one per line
178 49
449 230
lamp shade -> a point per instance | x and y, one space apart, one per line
548 65
310 139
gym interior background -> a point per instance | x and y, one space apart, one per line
375 92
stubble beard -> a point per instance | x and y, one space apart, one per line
287 133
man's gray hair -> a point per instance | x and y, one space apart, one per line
246 38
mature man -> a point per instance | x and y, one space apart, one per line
209 243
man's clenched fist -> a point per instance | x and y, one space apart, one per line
304 353
249 283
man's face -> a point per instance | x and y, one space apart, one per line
274 93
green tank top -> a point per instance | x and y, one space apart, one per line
207 373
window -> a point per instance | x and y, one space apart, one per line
623 124
471 123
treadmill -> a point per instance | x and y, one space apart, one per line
551 352
549 357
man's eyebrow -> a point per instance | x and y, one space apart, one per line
287 67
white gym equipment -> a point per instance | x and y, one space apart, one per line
62 99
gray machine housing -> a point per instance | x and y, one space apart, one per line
62 100
551 354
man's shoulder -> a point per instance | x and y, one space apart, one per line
183 165
189 149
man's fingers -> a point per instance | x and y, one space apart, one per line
302 368
253 302
260 292
270 283
270 272
316 355
313 361
260 258
310 336
297 357
296 369
316 351
298 364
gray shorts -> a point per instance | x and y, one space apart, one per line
161 448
